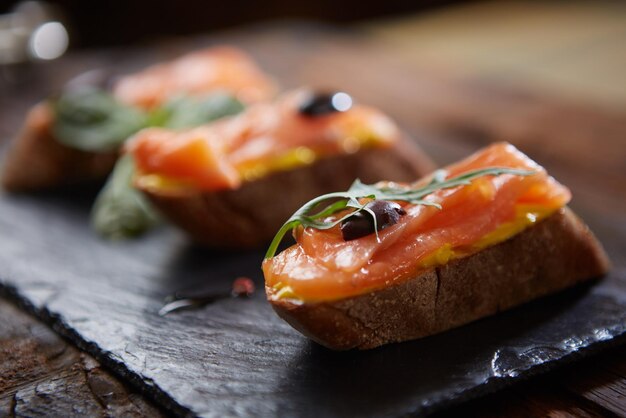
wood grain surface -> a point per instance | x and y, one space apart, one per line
582 144
43 375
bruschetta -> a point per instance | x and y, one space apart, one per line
76 137
392 262
231 183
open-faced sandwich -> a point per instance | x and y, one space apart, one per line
392 262
233 182
76 136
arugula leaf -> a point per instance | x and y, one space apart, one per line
120 210
309 214
92 120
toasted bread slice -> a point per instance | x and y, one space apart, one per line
249 216
38 161
556 253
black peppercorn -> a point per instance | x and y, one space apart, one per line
362 224
320 104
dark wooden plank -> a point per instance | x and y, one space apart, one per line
600 381
529 402
236 357
42 375
604 390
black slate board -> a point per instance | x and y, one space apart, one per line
236 358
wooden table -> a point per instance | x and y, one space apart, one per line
459 101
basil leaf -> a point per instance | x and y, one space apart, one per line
92 120
185 111
120 210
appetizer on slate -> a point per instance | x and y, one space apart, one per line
232 183
76 137
392 262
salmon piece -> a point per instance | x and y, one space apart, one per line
266 138
324 267
197 73
232 184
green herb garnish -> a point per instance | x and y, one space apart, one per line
185 111
92 120
314 213
121 211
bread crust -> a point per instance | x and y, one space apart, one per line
554 254
250 215
38 161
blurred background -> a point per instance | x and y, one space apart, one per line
99 23
575 48
540 74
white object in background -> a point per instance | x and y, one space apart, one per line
31 31
49 41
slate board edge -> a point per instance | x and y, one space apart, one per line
495 384
164 400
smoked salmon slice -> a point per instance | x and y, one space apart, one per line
213 69
322 266
266 138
